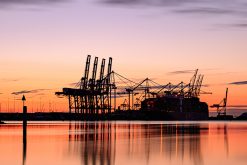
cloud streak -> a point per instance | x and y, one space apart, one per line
29 1
239 83
4 3
28 91
149 2
181 72
229 8
10 80
239 25
205 10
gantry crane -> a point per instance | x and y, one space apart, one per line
222 106
92 96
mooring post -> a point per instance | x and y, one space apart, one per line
24 115
24 118
24 126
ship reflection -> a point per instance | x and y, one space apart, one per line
101 142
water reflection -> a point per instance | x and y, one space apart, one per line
223 130
96 142
226 140
114 143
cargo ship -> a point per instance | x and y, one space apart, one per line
175 108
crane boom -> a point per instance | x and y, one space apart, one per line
139 84
109 69
164 87
176 86
225 100
86 73
200 85
94 70
102 69
192 82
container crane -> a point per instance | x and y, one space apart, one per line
222 106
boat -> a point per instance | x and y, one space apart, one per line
175 108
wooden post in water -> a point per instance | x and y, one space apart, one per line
24 126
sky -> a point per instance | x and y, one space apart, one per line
44 44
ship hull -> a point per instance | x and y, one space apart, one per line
175 108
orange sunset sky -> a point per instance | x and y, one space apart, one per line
44 44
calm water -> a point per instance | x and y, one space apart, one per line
124 143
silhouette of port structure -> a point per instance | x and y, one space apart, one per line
92 96
112 92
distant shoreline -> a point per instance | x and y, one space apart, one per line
126 116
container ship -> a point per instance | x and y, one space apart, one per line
175 108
